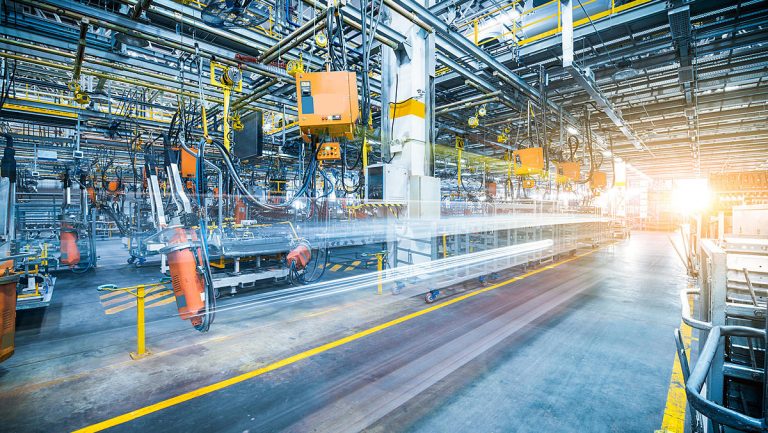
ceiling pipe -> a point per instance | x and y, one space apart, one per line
465 106
80 54
480 98
95 20
295 38
106 76
354 24
256 94
409 15
91 60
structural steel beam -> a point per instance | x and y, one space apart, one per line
587 82
457 40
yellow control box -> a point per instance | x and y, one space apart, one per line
327 103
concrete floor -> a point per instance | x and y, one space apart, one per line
586 346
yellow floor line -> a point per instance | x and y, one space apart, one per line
40 385
335 268
138 413
674 411
352 266
124 307
165 301
322 312
128 296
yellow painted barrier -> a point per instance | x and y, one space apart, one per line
140 292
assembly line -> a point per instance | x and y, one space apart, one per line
383 216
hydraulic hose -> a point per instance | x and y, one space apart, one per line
244 190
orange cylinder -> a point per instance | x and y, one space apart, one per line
7 311
113 186
241 211
70 253
299 257
188 285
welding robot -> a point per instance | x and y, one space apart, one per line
185 248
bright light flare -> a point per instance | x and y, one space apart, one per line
691 196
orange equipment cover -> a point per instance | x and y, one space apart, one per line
188 164
70 253
7 310
113 186
299 257
599 180
528 161
571 170
490 188
188 286
241 211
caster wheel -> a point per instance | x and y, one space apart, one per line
431 296
131 260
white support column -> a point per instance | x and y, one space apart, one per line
566 18
409 84
409 73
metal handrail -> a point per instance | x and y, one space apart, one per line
713 411
685 311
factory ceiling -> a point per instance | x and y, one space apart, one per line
687 78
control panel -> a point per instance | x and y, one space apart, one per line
330 151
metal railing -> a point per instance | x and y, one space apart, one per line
731 319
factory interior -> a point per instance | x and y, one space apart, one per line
383 216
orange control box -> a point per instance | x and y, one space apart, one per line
188 164
329 151
528 161
327 103
569 170
599 180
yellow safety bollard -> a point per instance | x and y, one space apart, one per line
140 292
379 267
141 348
